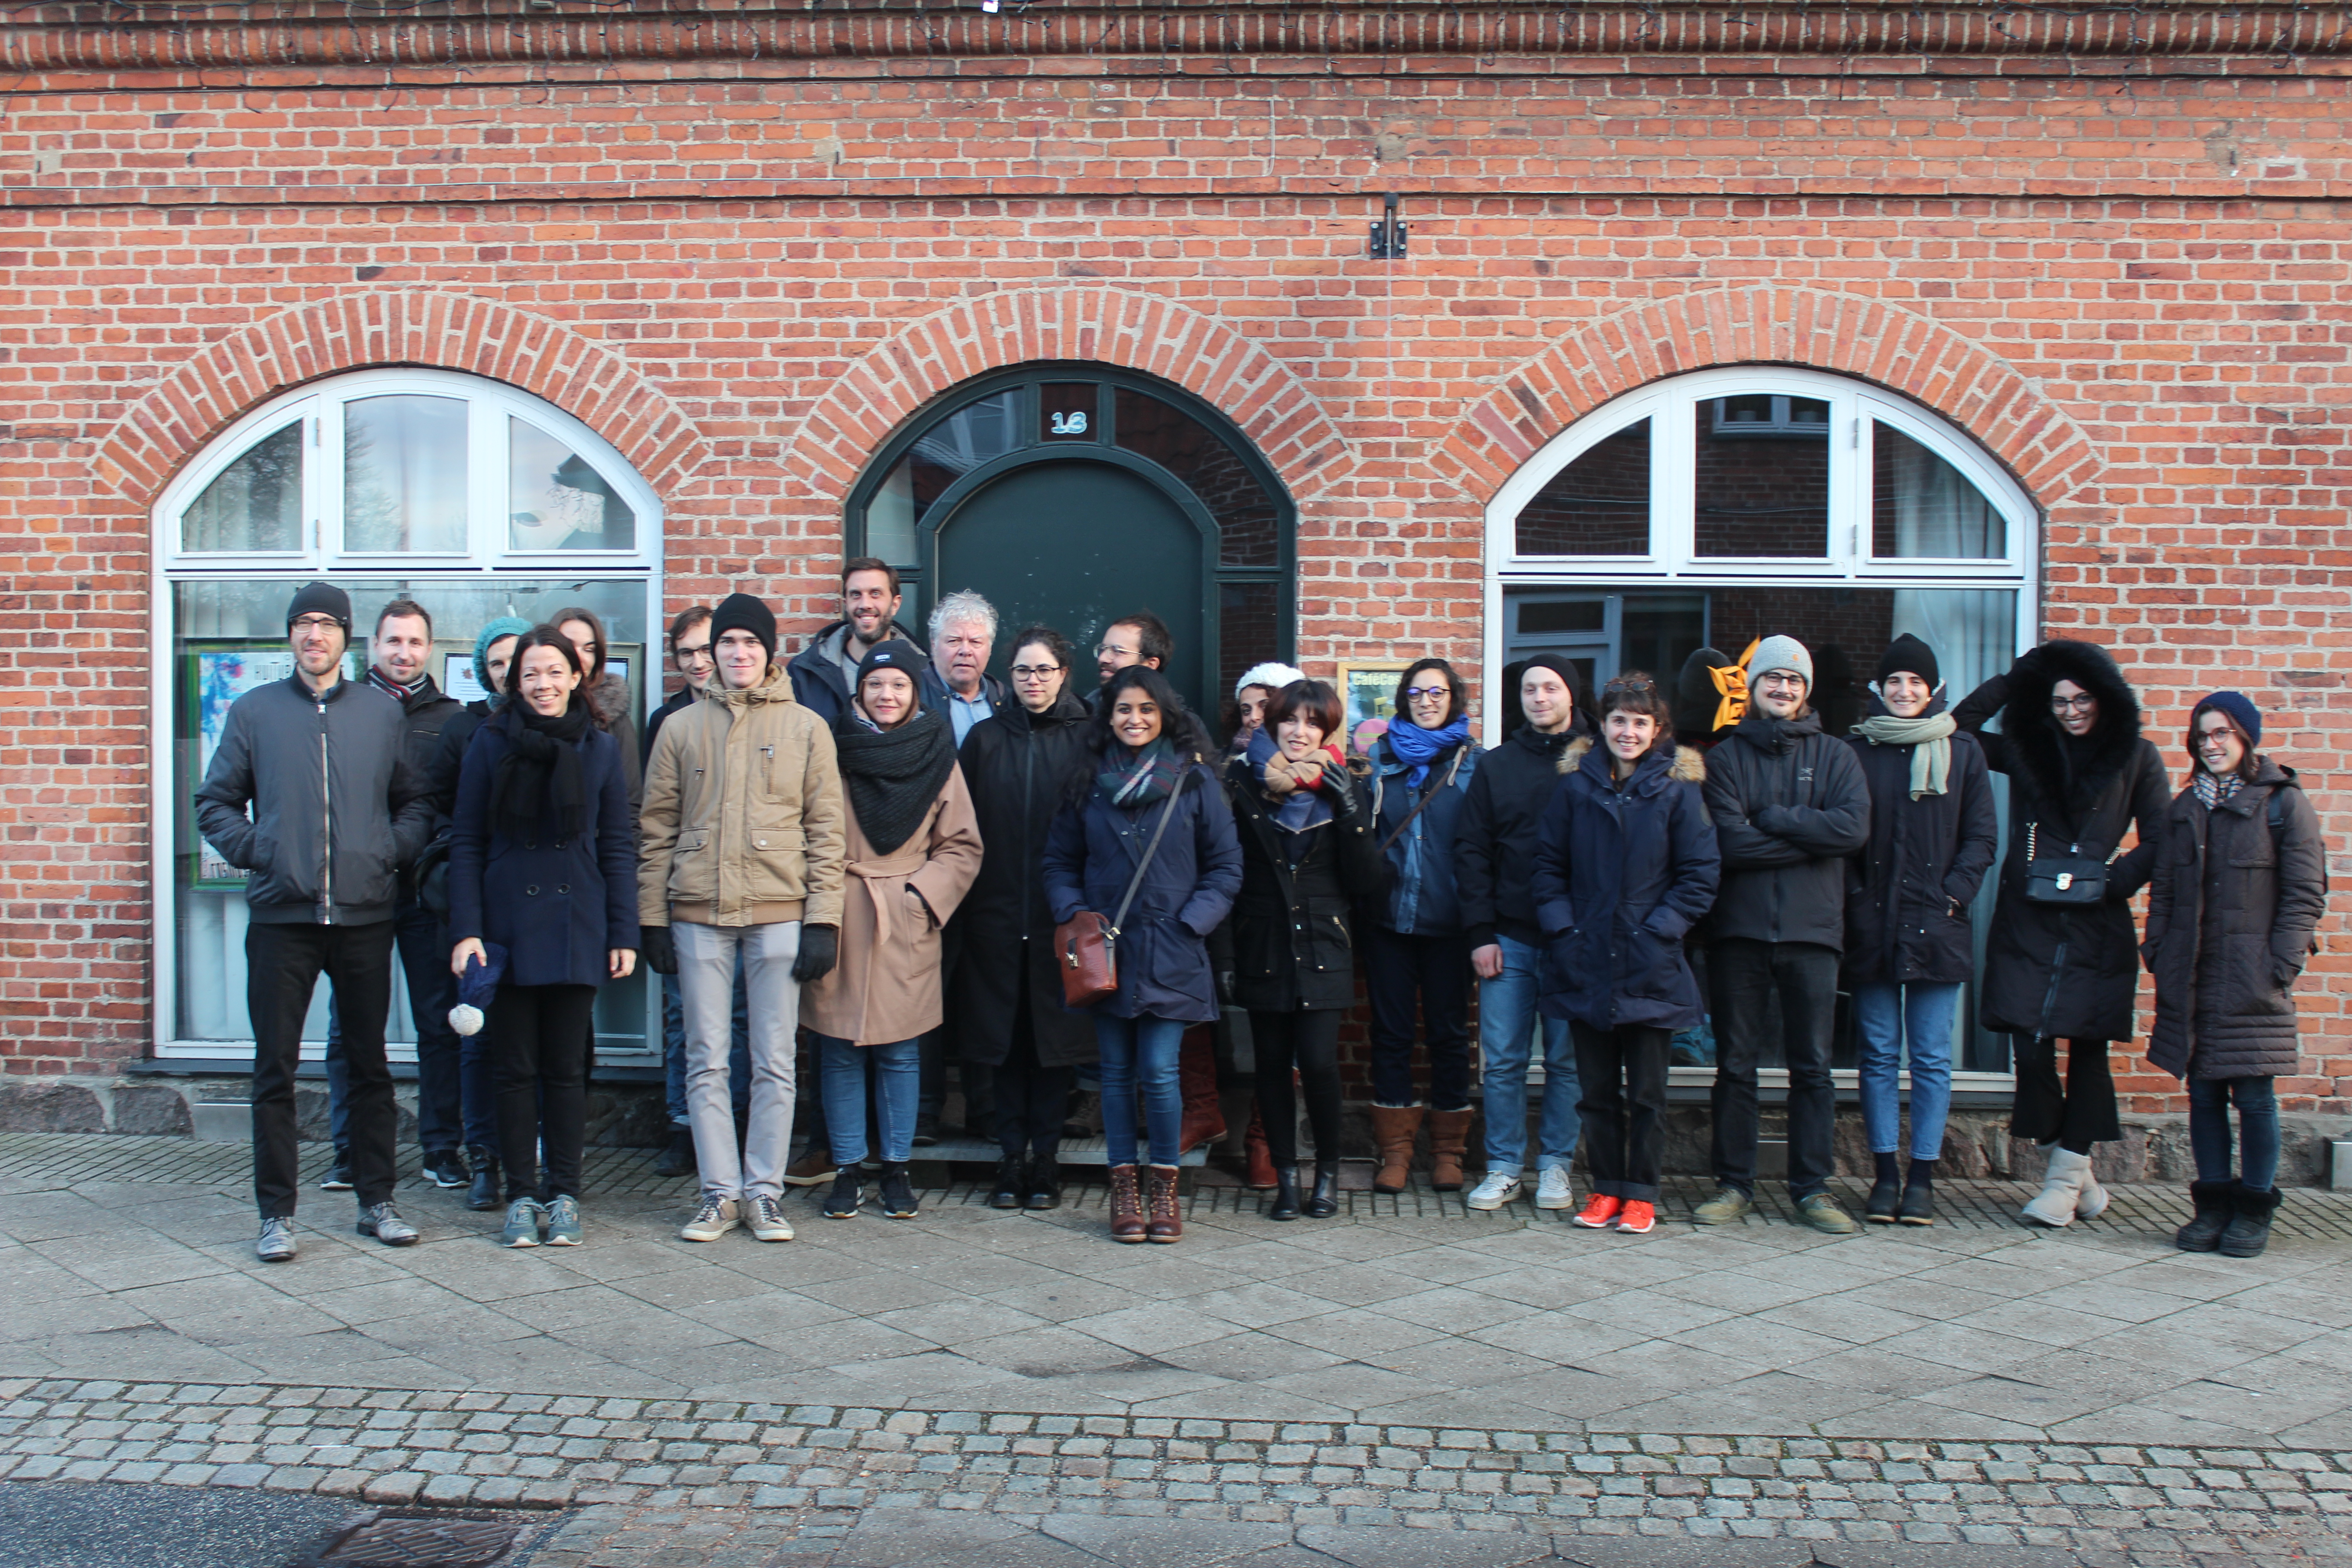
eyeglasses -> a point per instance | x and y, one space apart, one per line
1035 671
2215 737
1638 683
1112 650
317 623
1414 693
694 655
2082 702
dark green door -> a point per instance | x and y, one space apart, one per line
1072 544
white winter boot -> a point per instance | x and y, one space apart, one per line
2092 1201
2061 1198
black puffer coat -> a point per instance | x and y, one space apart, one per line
1789 804
1019 767
1288 941
2231 911
1908 894
1495 842
2066 971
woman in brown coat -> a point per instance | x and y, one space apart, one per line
2240 878
914 849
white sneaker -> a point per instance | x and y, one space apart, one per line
714 1219
1553 1192
1496 1189
766 1219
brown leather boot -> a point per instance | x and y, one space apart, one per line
1393 1128
1196 1071
1166 1224
1449 1134
1126 1206
1257 1154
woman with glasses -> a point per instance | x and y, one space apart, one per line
2063 962
1416 947
1007 993
2239 882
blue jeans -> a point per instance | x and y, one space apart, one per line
1141 1054
739 1055
1506 1025
2258 1129
897 1085
1883 1016
451 1105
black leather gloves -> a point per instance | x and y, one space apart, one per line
820 951
657 948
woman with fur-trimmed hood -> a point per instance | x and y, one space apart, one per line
2081 777
1625 863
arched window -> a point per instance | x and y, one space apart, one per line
1070 493
1708 509
472 498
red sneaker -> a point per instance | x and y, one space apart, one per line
1638 1217
1599 1212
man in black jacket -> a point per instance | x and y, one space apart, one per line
1494 856
824 673
312 791
1789 805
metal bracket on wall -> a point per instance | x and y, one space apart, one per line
1389 232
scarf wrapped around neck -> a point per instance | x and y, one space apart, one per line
1140 778
1416 748
891 776
1306 806
2213 788
538 786
1931 762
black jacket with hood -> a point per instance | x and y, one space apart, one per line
1909 894
820 684
1495 843
1789 804
1290 941
2067 971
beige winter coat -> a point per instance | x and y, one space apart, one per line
743 816
887 986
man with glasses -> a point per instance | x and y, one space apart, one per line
311 793
1789 804
1140 638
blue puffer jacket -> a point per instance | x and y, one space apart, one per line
1091 851
1620 876
557 906
1422 899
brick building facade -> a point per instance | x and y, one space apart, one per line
2100 254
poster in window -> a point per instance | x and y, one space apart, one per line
1368 692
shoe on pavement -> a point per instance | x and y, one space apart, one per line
1821 1211
843 1201
1728 1206
1553 1190
522 1229
927 1129
275 1242
564 1222
810 1169
383 1222
1598 1213
446 1168
897 1193
338 1178
1637 1218
1499 1188
1012 1182
767 1221
483 1194
713 1218
678 1157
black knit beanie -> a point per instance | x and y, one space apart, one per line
744 613
320 599
1909 655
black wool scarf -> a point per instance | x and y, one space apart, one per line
539 787
893 775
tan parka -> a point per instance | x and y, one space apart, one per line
743 819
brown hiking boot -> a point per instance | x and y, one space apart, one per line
1167 1224
1196 1069
1126 1206
1257 1156
1449 1135
1393 1128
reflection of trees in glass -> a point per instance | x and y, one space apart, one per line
557 500
257 502
405 474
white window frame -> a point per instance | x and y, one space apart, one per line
319 407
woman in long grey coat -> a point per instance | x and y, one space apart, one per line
2240 881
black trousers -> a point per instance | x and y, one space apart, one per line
539 1044
1309 1041
2076 1116
282 965
1431 973
1031 1097
1746 975
1623 1074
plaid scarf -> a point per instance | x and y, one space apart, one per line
2213 788
1137 779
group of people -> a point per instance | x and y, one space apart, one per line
867 851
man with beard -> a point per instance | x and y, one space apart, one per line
824 673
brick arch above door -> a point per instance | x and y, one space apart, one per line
1925 360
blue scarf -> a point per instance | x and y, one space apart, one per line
1301 808
1416 748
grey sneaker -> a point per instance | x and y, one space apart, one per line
564 1222
1821 1211
521 1228
383 1222
1554 1191
275 1243
1728 1206
713 1219
766 1220
1499 1188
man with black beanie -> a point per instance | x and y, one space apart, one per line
742 861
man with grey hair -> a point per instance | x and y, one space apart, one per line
963 633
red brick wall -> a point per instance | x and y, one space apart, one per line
747 246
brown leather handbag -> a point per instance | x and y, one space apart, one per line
1087 945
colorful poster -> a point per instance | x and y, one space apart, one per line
1368 690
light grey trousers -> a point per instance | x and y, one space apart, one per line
706 983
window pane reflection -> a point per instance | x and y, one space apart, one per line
1246 522
1249 630
975 434
1762 477
404 475
1922 506
256 502
1598 505
556 501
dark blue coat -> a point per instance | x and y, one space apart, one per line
1422 899
1091 852
557 906
1620 876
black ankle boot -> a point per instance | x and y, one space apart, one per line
1885 1192
1285 1194
1919 1194
483 1194
2216 1204
676 1157
1012 1182
1044 1182
1324 1201
2249 1232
